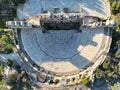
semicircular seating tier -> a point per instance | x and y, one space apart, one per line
62 51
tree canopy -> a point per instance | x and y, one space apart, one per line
9 62
117 54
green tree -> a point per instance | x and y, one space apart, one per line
12 80
8 48
9 62
57 81
117 18
1 70
85 81
99 74
118 42
115 7
117 54
111 1
116 86
6 44
106 63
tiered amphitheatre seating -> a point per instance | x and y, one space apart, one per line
31 46
61 44
53 48
95 40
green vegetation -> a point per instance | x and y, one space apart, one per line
85 81
117 18
2 81
116 38
9 62
117 54
12 2
6 43
109 71
7 12
18 81
12 80
1 72
115 10
115 7
116 86
57 81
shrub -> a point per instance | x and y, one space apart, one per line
57 81
9 62
106 63
115 7
6 44
117 54
85 81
